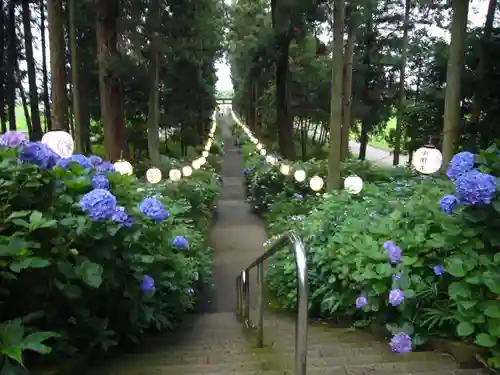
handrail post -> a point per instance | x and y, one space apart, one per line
260 305
301 324
238 296
246 294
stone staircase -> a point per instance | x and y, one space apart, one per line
218 344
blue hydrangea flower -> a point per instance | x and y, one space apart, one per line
147 284
398 188
106 167
154 209
39 154
121 217
438 270
361 301
180 242
100 181
76 158
448 204
393 252
396 297
95 160
246 171
475 188
12 139
190 290
401 343
297 196
99 204
460 163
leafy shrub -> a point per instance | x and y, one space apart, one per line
399 255
90 258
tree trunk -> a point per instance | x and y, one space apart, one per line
285 126
110 85
36 134
60 119
11 65
363 141
45 75
481 70
80 134
347 91
451 118
334 155
402 91
154 20
3 119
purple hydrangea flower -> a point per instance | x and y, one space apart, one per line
361 301
95 160
393 252
154 209
147 284
12 139
401 343
121 217
106 167
475 188
438 270
76 158
39 154
460 163
180 242
396 297
99 204
448 204
100 181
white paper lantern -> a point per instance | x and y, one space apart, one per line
124 167
259 146
175 175
299 175
353 184
204 154
196 164
263 152
316 183
202 160
60 142
187 171
285 169
153 175
427 160
271 159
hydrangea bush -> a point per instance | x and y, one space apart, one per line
90 258
412 255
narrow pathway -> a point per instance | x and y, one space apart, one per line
216 343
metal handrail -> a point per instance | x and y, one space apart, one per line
243 295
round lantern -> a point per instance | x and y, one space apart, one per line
196 164
187 171
271 159
353 184
124 167
153 175
427 160
299 175
316 183
60 142
285 169
263 152
175 175
204 154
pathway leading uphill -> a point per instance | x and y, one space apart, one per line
216 343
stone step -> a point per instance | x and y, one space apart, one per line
144 368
